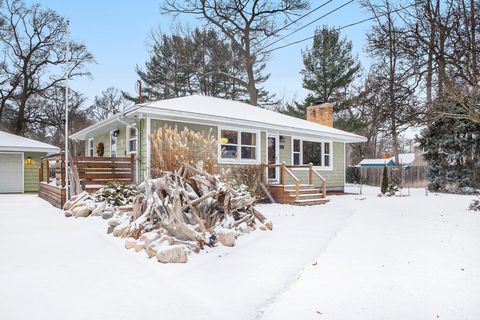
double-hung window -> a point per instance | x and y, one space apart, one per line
238 146
113 143
132 139
90 147
318 153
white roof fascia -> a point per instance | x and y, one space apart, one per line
168 114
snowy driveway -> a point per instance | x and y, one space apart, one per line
52 267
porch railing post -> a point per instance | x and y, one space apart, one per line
282 174
297 190
40 178
310 173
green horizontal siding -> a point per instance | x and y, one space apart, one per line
31 171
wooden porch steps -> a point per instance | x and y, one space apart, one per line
308 194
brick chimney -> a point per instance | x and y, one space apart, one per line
321 113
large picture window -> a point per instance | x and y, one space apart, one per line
316 152
238 145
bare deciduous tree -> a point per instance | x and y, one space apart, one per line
109 103
246 24
33 44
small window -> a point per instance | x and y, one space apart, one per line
237 145
326 154
90 147
113 143
248 143
229 144
132 140
296 152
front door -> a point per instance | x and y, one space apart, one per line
273 157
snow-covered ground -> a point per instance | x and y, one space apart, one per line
378 258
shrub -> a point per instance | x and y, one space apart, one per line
384 186
249 176
475 205
171 148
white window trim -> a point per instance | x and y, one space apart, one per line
127 137
91 149
238 160
323 141
116 144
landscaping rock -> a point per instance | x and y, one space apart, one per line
149 237
68 213
268 224
119 230
139 245
226 237
82 212
172 254
130 243
99 209
244 228
107 214
156 245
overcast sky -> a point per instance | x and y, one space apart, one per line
117 33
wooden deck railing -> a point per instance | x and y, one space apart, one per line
285 170
92 173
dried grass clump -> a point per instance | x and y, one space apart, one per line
171 148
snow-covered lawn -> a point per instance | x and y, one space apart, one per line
378 258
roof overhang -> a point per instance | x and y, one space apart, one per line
141 111
29 149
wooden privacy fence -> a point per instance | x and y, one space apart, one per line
92 173
413 177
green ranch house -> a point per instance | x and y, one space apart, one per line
302 158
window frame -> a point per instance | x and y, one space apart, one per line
129 138
239 146
323 142
91 149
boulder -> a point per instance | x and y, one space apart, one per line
226 237
244 228
172 254
99 209
68 213
119 230
263 228
268 224
107 214
82 212
139 245
156 245
130 243
149 237
113 222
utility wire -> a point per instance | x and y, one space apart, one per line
308 24
341 28
296 20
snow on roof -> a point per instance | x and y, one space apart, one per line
11 142
374 161
234 110
404 158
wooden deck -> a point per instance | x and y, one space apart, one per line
92 173
298 193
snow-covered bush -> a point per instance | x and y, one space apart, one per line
116 194
475 205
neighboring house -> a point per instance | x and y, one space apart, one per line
405 159
376 162
245 135
20 162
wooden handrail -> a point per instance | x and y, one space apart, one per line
324 181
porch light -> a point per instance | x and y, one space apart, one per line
29 160
282 139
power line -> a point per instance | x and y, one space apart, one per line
296 20
308 24
342 27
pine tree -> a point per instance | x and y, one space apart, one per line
384 187
452 150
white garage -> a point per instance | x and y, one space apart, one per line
20 161
11 167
